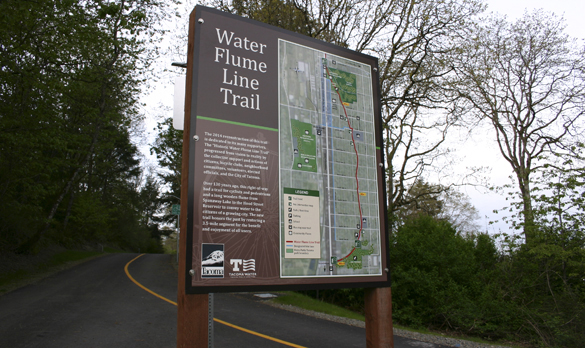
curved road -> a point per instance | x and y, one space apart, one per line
95 304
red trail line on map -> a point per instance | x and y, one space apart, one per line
356 167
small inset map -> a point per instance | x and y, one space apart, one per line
327 161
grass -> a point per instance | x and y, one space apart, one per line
112 250
31 271
306 302
71 256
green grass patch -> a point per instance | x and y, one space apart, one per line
11 277
37 269
112 250
71 256
306 302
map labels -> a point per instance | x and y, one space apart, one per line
304 230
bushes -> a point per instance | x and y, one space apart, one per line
544 285
533 294
438 275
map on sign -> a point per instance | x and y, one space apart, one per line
330 216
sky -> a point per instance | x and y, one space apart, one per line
571 10
477 151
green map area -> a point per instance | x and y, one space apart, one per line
355 259
346 82
305 146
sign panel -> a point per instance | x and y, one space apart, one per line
286 186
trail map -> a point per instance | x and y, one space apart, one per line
330 214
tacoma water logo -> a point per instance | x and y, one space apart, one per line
243 268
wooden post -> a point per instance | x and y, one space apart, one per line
379 329
192 319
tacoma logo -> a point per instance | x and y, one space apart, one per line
212 260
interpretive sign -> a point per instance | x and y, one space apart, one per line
286 177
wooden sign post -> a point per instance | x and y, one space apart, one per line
378 308
192 309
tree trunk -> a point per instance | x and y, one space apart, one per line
28 246
529 227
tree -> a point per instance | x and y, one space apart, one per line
559 252
70 78
458 210
168 148
542 283
438 202
423 199
416 42
526 80
423 40
285 14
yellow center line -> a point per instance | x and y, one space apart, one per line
214 319
142 286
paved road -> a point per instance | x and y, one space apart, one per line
96 305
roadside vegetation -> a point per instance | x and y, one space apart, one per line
19 270
72 73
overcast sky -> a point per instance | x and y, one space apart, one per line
571 10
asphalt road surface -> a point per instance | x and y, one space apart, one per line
95 304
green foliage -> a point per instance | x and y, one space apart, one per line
168 148
437 275
553 265
543 285
442 280
422 198
290 15
351 299
69 87
543 279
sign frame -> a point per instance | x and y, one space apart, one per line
200 123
